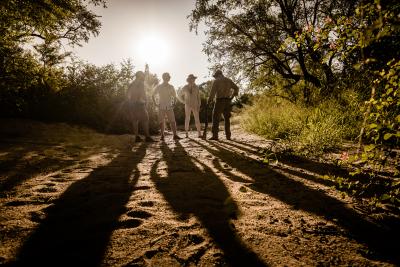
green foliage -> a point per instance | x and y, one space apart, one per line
382 129
269 39
375 191
378 30
306 130
96 96
32 34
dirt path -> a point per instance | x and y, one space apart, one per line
69 195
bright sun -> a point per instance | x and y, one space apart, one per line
153 50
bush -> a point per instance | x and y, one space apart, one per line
307 130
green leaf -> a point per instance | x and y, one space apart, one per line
369 147
387 136
373 125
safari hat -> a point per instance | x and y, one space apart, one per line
191 77
217 73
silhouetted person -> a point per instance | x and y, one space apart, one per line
223 89
137 105
166 99
190 96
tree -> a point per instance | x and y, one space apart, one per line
42 26
257 39
33 32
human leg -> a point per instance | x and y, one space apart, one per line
135 124
161 119
197 121
227 119
216 117
187 119
172 122
145 124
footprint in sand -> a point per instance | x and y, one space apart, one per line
136 221
139 214
37 216
60 178
195 239
131 223
146 204
47 190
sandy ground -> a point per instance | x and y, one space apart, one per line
72 197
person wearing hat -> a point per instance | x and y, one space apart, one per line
223 90
137 104
190 96
166 99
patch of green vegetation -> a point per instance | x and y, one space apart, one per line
307 130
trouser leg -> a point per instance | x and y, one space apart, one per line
227 119
197 121
146 123
187 118
216 117
135 124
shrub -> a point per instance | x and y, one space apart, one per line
307 130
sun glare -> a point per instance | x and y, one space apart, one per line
153 50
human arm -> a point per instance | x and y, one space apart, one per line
212 93
153 95
199 97
180 94
172 94
235 89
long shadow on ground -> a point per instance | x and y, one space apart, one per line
16 169
78 226
188 193
296 194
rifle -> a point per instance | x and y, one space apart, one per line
201 87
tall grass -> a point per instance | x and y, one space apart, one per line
305 129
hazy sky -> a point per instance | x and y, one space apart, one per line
152 31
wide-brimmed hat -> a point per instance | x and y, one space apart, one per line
191 77
217 73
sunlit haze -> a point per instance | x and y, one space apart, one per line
149 31
153 49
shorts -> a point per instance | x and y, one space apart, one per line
165 107
138 111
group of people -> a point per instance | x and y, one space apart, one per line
223 90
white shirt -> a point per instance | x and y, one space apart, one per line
167 94
191 96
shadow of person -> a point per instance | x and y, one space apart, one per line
192 191
245 147
22 163
79 224
299 196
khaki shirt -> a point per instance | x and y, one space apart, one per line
136 92
167 94
222 88
191 96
